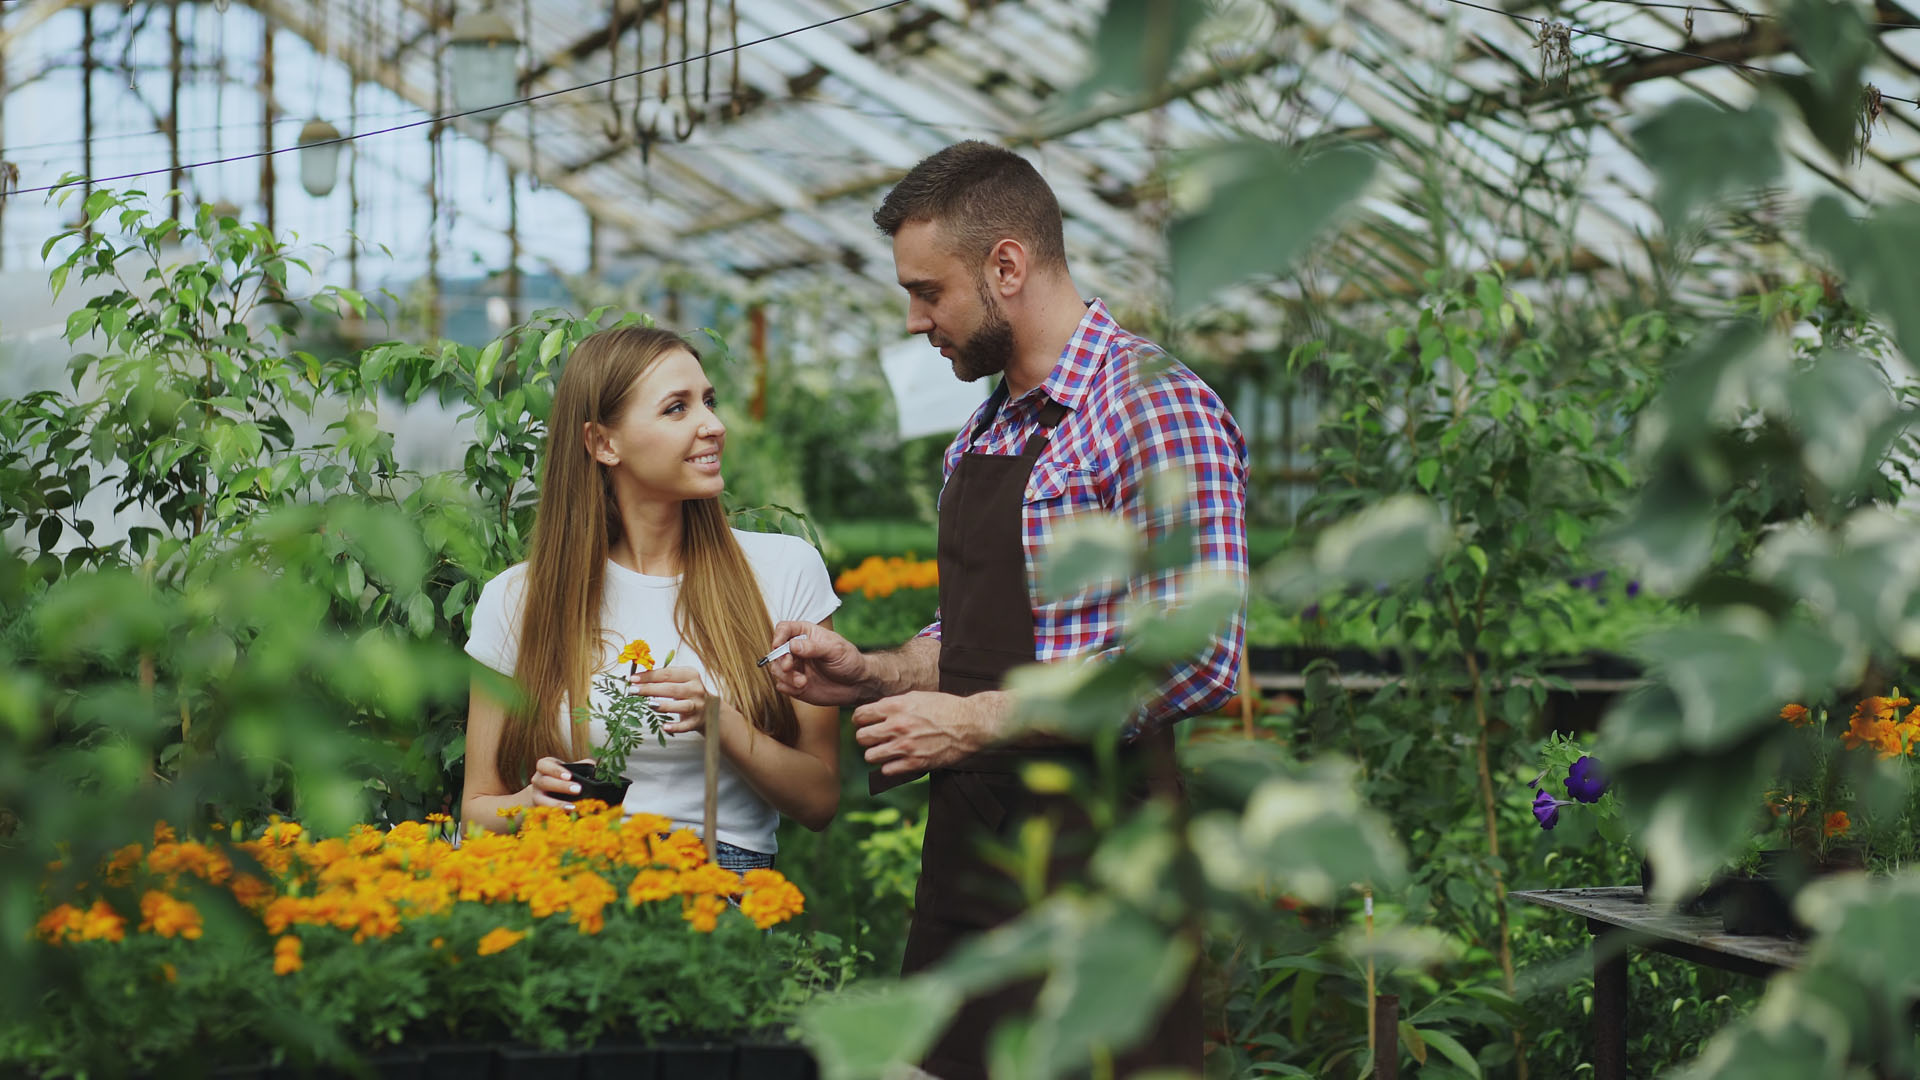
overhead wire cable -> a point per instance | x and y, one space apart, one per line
528 99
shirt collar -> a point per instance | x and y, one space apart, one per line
1086 351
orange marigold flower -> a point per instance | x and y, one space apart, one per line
286 955
1873 723
1837 824
1796 715
250 891
163 833
770 900
680 849
500 939
282 833
703 912
636 652
710 879
162 914
120 864
102 923
59 924
365 839
652 884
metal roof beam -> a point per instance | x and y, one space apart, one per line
1037 134
607 211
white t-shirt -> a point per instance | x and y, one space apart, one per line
669 780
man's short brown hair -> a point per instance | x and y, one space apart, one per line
979 194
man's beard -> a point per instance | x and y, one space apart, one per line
989 349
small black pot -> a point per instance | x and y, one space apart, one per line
774 1061
612 792
695 1061
620 1061
456 1061
1759 907
1761 904
387 1063
533 1063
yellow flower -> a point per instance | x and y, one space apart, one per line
770 898
1873 723
876 577
652 884
1837 824
499 940
680 850
286 955
102 923
162 914
703 912
710 879
636 652
1796 715
59 924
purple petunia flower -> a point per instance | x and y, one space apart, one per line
1633 588
1546 809
1585 780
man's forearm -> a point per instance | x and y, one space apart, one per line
913 666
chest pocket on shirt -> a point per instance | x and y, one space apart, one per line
1064 484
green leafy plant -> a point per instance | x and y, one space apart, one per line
627 717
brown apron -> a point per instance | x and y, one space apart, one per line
986 623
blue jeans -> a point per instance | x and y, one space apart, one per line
739 859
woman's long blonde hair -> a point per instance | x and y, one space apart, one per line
720 612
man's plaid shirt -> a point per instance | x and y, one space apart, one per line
1131 412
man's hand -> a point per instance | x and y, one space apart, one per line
911 733
821 667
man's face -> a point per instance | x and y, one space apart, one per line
948 300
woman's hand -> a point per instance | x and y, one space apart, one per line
676 691
550 776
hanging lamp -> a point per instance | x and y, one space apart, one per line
484 54
319 157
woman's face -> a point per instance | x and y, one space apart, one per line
667 444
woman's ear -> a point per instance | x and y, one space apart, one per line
599 446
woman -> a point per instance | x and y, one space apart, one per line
630 542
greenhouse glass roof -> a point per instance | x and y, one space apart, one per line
776 166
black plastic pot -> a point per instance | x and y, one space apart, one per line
391 1063
456 1061
533 1063
1759 907
695 1061
619 1061
774 1061
612 792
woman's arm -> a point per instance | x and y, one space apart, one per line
801 781
483 793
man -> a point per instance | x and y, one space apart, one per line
1084 413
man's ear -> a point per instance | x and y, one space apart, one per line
1007 268
599 446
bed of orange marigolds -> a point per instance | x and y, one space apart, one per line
580 867
876 577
